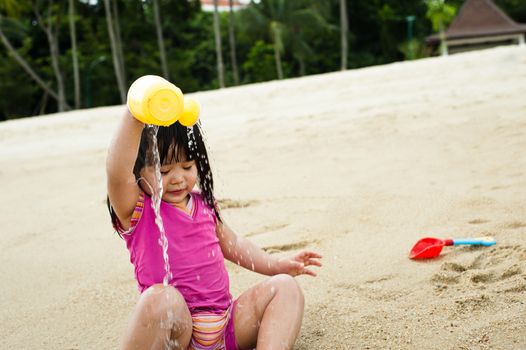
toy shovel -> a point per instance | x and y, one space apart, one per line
431 247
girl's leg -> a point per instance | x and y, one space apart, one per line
161 320
269 314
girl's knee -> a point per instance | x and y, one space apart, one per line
164 305
287 284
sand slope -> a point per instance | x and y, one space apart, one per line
356 165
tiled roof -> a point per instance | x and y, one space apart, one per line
222 5
479 18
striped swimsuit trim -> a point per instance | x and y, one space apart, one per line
137 212
209 330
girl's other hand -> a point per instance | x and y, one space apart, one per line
297 264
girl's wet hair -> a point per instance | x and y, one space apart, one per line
176 143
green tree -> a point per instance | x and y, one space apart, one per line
378 34
118 38
260 65
14 9
160 39
514 8
219 55
344 30
232 40
50 26
287 22
117 63
16 87
74 55
440 14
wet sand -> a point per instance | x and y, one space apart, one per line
356 165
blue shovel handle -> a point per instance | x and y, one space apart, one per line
485 241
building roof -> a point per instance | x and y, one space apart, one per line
480 18
222 5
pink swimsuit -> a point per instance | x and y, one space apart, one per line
196 263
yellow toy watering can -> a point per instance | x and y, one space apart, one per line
154 100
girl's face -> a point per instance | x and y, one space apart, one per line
178 180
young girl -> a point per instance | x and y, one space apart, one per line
195 309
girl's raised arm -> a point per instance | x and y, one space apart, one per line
123 190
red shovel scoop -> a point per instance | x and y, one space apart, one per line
430 247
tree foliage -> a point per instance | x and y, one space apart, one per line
305 34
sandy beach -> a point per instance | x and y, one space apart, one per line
356 165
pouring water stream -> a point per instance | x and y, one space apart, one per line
156 202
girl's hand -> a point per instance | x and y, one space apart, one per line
296 265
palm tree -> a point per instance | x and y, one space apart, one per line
160 40
344 28
440 14
287 21
217 32
52 31
114 52
73 36
270 14
118 38
24 64
232 38
12 7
